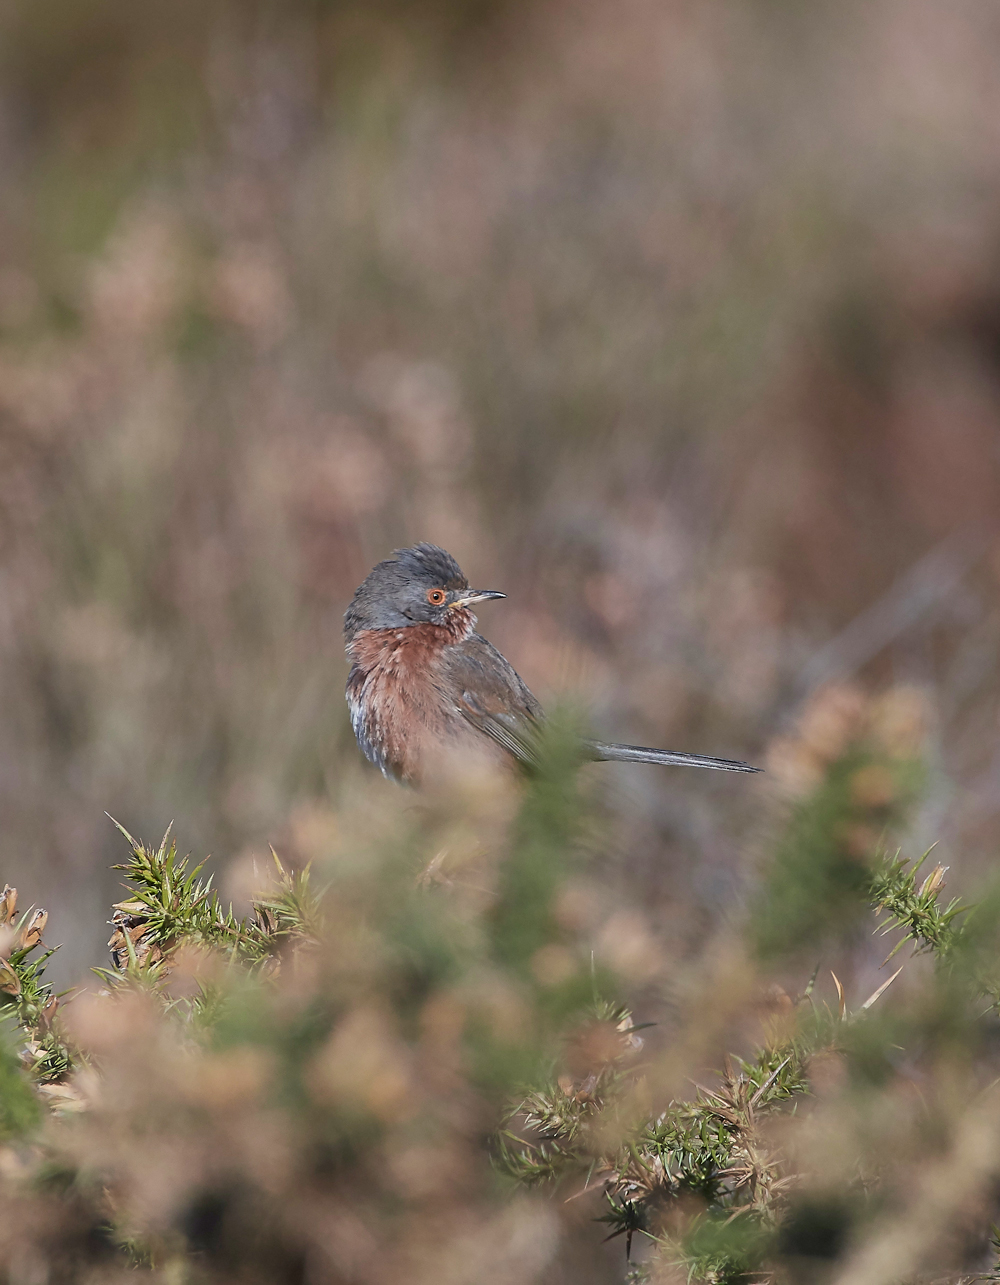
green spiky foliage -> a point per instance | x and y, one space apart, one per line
389 1019
171 903
704 1180
27 1000
708 1148
913 907
710 1152
328 1000
48 1056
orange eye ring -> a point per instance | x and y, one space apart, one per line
436 597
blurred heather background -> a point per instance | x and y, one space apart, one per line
679 322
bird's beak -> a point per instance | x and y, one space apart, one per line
468 596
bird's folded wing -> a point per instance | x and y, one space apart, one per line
490 695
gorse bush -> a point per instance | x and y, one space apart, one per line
413 1060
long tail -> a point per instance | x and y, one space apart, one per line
612 753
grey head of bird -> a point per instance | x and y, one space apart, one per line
416 586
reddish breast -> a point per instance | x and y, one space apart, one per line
414 645
396 705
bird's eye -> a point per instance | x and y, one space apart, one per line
436 596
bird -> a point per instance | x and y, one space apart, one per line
425 688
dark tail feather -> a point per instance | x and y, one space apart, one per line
605 753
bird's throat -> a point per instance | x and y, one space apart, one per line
375 648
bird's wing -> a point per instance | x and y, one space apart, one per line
491 696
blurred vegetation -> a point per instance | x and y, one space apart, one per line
677 323
411 1061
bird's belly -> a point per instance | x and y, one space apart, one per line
405 724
